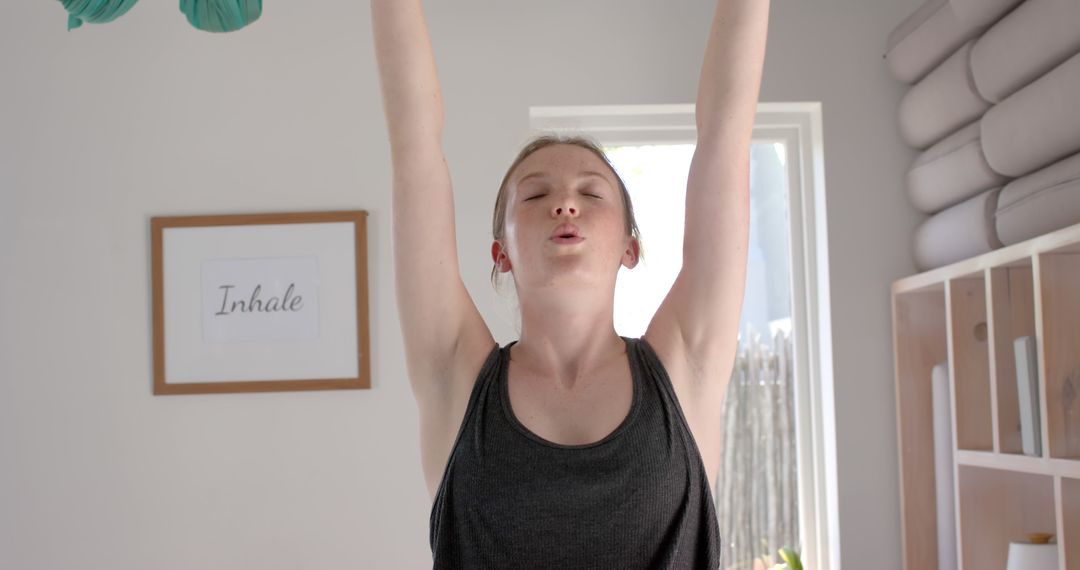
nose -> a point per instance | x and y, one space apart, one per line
564 206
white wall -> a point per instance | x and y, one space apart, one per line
105 126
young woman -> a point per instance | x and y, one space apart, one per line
571 447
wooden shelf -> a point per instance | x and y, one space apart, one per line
919 342
1070 521
969 314
1022 503
1013 306
1020 463
969 352
1059 272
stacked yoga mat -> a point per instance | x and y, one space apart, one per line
994 105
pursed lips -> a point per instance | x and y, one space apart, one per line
566 234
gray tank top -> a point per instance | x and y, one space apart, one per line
638 498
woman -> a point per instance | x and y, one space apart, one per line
572 447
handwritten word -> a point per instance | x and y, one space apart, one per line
255 304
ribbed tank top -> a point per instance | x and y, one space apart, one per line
638 498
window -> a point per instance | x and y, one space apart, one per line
655 176
784 343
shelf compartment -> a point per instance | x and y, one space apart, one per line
920 344
970 358
998 507
1070 533
1012 316
1022 463
1059 276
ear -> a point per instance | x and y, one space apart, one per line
632 254
499 257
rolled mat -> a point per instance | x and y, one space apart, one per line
1036 126
936 30
942 103
1027 43
950 172
962 231
1040 202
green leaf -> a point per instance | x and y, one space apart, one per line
791 558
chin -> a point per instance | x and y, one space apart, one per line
573 277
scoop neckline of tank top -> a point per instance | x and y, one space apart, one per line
504 390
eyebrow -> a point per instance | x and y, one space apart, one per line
584 174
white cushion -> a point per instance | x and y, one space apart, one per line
943 102
1027 43
956 233
1036 126
950 172
1040 202
936 30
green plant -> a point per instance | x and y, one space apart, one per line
791 560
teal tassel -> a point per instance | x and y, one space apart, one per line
95 11
221 15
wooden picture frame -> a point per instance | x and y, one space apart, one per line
260 302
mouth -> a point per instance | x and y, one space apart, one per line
566 233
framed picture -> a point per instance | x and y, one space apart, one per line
260 302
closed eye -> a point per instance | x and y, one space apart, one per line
585 193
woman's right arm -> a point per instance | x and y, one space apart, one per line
433 304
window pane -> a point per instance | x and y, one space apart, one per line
655 177
757 488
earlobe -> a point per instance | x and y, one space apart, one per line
498 256
632 254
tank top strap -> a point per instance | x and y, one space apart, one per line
670 399
650 361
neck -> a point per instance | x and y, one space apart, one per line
565 337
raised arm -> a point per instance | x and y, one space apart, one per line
433 303
703 308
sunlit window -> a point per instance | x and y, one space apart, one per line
655 176
757 486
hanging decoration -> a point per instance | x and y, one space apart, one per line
95 11
207 15
221 15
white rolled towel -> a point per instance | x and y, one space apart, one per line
934 31
957 233
1026 44
1039 203
1036 126
950 172
943 102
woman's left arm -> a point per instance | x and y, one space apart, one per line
704 305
